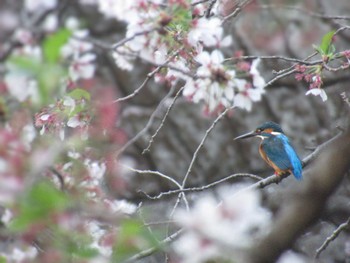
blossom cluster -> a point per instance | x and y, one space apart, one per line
219 229
49 112
165 34
313 76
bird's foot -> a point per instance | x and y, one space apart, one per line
278 178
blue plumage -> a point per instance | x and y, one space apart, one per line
282 154
276 150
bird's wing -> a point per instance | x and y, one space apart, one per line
283 155
277 154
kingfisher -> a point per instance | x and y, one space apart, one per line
276 149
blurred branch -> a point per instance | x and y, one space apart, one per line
296 60
127 39
152 250
237 10
305 11
332 237
210 7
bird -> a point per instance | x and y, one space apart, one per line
276 149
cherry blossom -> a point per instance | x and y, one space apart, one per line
217 85
119 9
317 92
19 254
21 86
258 80
209 32
220 228
76 46
122 59
214 85
35 5
82 67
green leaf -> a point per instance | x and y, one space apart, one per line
181 19
36 205
49 79
326 42
81 249
132 238
78 94
52 44
47 75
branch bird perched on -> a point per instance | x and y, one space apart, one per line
276 150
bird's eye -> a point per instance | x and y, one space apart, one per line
258 130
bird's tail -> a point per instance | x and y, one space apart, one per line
297 172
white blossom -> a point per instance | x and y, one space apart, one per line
209 32
258 80
21 86
50 23
74 122
318 92
123 61
121 206
215 84
76 45
97 232
82 67
35 5
221 228
96 169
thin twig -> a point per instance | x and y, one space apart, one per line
195 155
238 9
199 2
127 39
202 188
147 149
287 73
333 236
136 91
152 172
210 7
305 11
160 175
301 61
148 125
149 76
331 69
341 29
151 250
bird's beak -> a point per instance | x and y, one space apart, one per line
247 135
